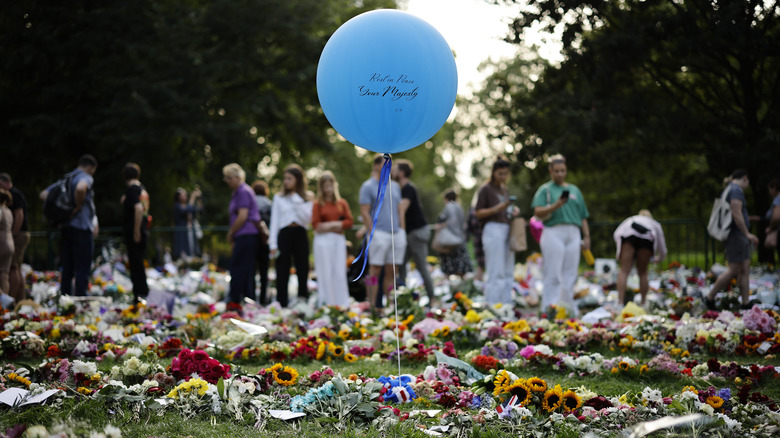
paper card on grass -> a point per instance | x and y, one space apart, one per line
286 415
430 413
252 329
21 397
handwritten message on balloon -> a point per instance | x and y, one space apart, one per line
387 81
386 86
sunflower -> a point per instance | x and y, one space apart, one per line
501 382
285 376
715 401
571 401
336 350
349 357
643 369
624 366
536 384
553 399
521 390
445 331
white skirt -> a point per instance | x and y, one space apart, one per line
330 266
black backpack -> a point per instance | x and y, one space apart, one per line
59 203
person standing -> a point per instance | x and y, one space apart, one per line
135 214
76 243
6 248
739 242
330 217
638 238
456 262
185 240
242 235
263 261
21 235
388 244
413 221
772 219
566 233
290 216
494 209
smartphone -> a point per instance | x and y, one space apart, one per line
565 194
512 198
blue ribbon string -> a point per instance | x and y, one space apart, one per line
384 179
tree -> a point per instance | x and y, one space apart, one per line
181 88
667 96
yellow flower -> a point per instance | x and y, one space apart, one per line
690 388
537 384
501 382
571 401
624 366
349 357
685 354
445 331
473 317
715 401
520 389
435 333
95 377
676 351
321 349
193 386
344 333
245 353
614 370
553 399
83 390
55 333
336 350
286 376
560 313
643 369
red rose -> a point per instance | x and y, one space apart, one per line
185 354
200 355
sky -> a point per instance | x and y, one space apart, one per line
474 30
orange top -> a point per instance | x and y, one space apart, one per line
332 212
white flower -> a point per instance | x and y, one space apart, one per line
116 372
730 423
134 351
700 370
650 395
585 393
557 418
85 368
109 355
112 432
429 373
36 432
82 346
521 412
543 349
707 409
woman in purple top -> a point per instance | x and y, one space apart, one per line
243 234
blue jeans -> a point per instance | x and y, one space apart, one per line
242 268
76 258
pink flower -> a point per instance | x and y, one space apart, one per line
527 351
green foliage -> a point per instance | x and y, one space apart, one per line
181 88
654 103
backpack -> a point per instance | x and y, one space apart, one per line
59 203
720 218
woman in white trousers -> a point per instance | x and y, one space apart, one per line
566 234
330 217
494 209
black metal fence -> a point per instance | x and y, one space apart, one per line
687 241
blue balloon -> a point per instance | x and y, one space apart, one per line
387 81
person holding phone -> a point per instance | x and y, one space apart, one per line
562 209
495 210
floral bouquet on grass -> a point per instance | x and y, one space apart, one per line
198 362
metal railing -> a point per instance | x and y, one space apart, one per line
687 241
